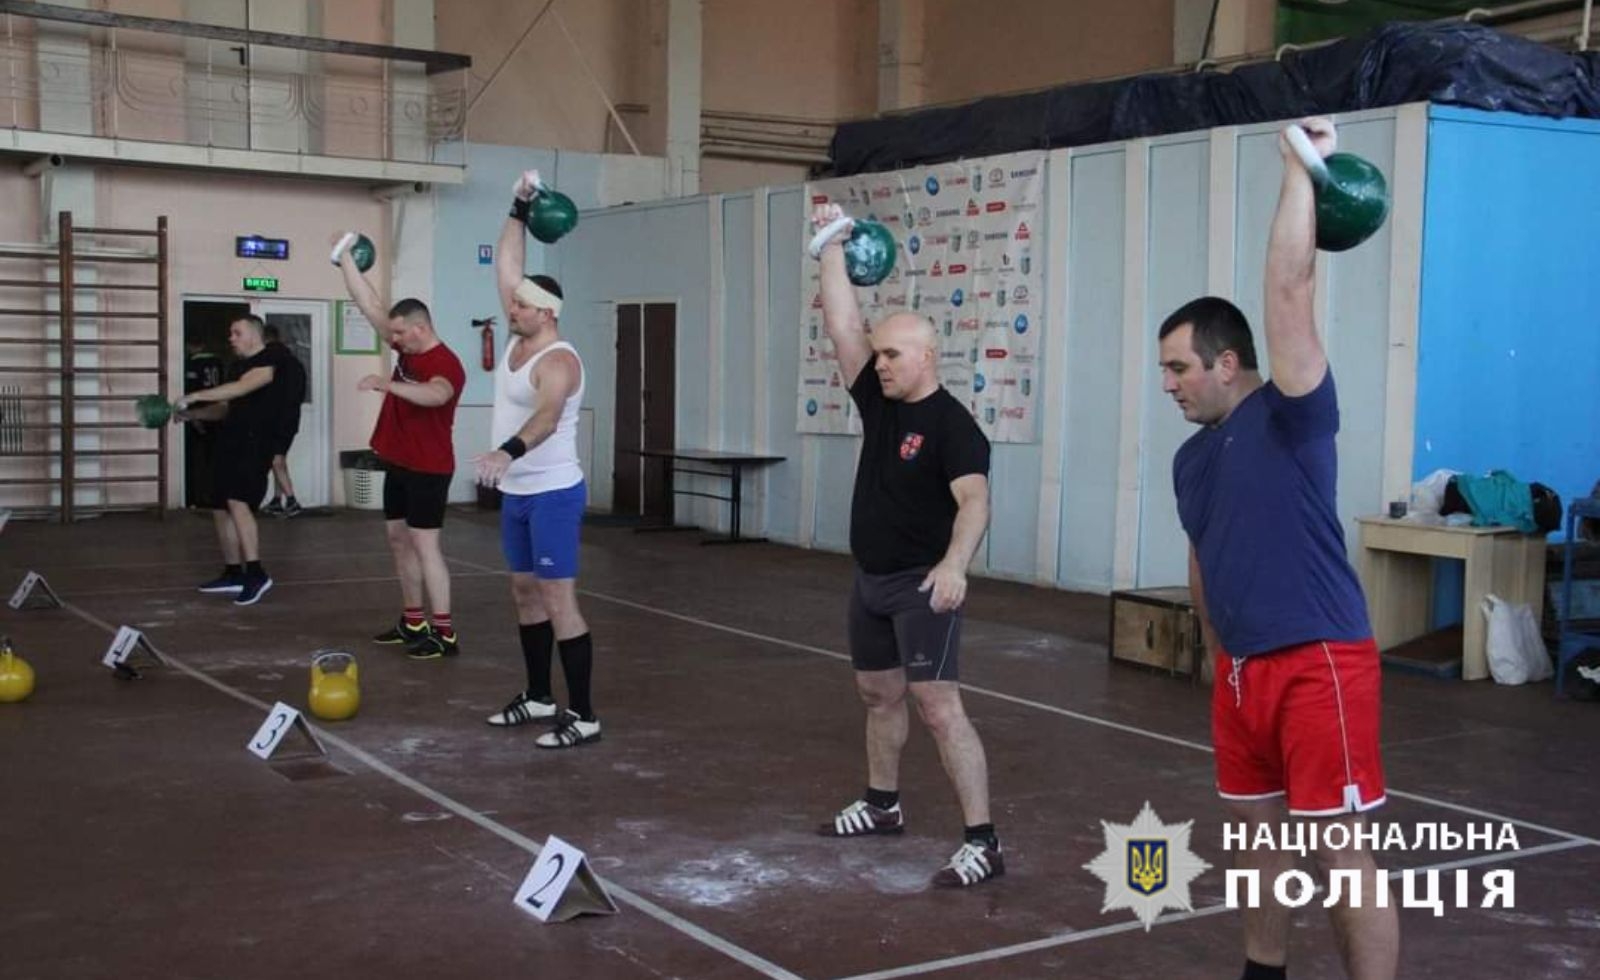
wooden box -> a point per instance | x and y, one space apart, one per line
1158 628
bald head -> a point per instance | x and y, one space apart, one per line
905 331
908 356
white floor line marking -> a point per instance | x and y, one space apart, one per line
277 583
670 919
1052 709
183 562
1068 938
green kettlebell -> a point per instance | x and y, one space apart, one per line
153 410
362 252
1352 195
551 214
869 252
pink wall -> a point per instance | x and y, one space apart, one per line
977 49
542 97
813 60
206 211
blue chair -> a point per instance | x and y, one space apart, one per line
1572 642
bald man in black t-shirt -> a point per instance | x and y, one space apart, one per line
920 508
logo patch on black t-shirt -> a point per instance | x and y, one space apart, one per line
910 446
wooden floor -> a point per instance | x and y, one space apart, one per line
140 839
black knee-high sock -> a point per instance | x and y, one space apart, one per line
577 661
538 639
1261 971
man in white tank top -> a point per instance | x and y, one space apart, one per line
538 388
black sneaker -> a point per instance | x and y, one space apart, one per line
228 583
254 587
522 710
862 818
291 507
434 645
274 508
401 633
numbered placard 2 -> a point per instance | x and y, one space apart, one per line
561 886
281 720
125 649
34 593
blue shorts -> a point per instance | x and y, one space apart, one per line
539 531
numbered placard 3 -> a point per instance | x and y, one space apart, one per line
560 885
34 593
280 721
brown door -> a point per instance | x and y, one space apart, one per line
659 406
627 468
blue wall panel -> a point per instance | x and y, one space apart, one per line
1508 348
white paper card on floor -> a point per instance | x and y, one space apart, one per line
123 652
560 885
34 593
281 720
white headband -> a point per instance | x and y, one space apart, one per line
533 294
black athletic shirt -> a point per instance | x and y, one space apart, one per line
259 413
902 512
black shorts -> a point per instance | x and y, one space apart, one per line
891 625
417 498
239 471
280 441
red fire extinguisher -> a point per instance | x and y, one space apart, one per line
487 325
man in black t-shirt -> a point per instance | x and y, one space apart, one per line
248 408
201 369
293 392
919 510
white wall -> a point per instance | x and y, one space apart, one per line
1133 230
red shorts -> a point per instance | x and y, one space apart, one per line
1300 722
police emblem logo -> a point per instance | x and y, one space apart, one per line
1147 865
910 446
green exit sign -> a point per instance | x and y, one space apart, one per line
260 284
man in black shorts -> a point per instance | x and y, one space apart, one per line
247 406
413 437
920 508
283 503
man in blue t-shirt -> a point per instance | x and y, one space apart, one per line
1295 703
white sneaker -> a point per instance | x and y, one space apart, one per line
572 731
861 818
522 710
969 865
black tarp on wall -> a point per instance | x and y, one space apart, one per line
1454 64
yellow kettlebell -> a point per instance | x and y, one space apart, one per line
336 692
16 677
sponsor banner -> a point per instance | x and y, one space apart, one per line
969 243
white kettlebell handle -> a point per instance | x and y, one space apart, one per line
1300 143
821 238
348 240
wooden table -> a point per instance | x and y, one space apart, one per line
1397 575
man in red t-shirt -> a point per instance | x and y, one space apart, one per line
412 438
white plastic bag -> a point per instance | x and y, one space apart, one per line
1516 649
1427 494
